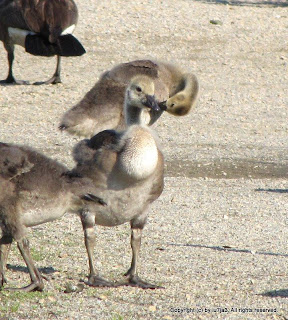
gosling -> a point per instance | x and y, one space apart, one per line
126 168
43 28
102 107
33 190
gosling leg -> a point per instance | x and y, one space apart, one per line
36 278
94 280
5 245
133 278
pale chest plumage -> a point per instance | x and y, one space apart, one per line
140 154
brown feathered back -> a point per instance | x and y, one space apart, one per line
102 107
49 17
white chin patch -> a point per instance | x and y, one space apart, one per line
68 30
18 35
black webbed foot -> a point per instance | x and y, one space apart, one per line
12 81
53 80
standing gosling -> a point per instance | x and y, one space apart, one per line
33 190
43 28
102 107
127 170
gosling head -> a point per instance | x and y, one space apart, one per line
182 102
140 100
140 93
178 105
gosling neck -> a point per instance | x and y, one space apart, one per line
135 115
191 86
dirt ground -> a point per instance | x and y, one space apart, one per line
217 237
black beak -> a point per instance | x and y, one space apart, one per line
162 105
151 103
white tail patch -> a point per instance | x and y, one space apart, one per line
68 30
18 35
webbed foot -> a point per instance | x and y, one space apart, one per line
53 80
33 286
96 281
13 81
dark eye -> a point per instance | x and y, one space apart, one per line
138 89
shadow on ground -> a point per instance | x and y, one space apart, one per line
276 293
45 270
252 3
228 249
227 169
272 190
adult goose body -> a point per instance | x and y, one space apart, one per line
43 28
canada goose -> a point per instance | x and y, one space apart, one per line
33 190
42 27
127 170
102 107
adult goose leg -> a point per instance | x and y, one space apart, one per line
10 56
56 76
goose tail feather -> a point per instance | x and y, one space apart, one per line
66 46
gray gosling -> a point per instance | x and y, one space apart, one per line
102 107
34 190
127 170
43 28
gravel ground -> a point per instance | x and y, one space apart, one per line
217 237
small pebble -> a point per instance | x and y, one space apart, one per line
217 22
